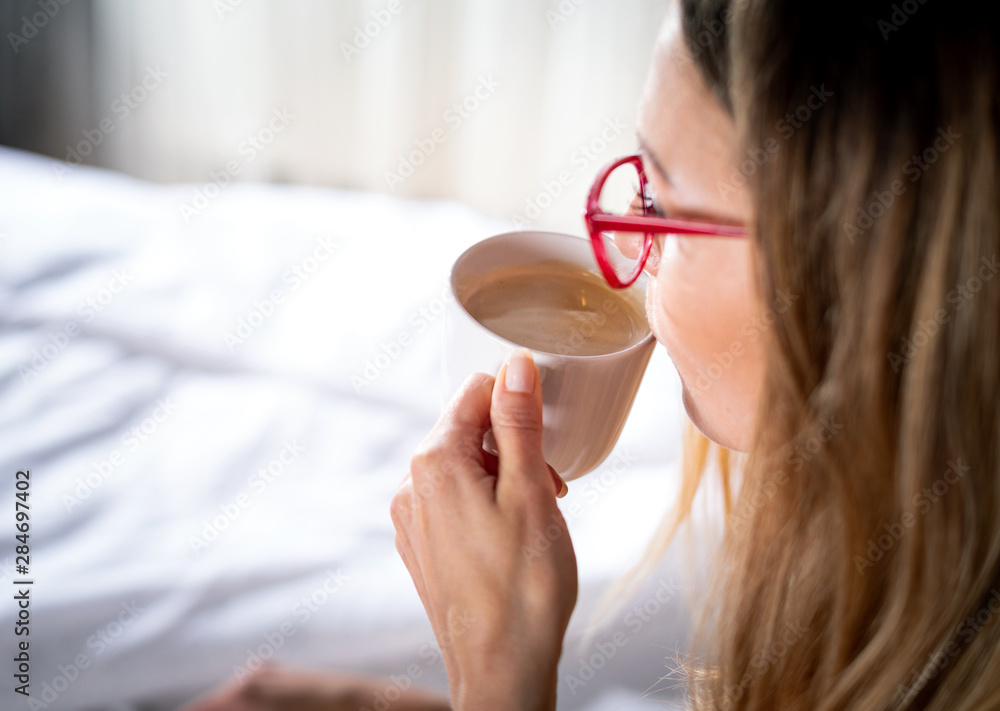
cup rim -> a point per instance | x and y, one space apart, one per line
638 345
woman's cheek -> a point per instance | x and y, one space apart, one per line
698 314
675 321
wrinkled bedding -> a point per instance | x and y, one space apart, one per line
216 410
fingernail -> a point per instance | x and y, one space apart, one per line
520 375
564 490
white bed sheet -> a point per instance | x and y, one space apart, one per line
148 422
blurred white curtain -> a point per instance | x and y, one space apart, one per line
558 83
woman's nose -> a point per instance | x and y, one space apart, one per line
655 255
630 245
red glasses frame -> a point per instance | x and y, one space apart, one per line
648 223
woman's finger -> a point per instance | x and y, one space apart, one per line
412 563
402 512
401 506
516 418
493 467
454 448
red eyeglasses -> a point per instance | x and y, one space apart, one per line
628 207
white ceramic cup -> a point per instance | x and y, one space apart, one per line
585 399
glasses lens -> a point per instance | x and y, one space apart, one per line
621 195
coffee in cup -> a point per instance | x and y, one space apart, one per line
555 306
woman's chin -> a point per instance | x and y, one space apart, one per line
704 424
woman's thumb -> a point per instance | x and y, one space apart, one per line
516 419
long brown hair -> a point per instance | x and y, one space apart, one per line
865 572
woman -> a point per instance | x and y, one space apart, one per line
857 145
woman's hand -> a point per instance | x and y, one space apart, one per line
486 545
